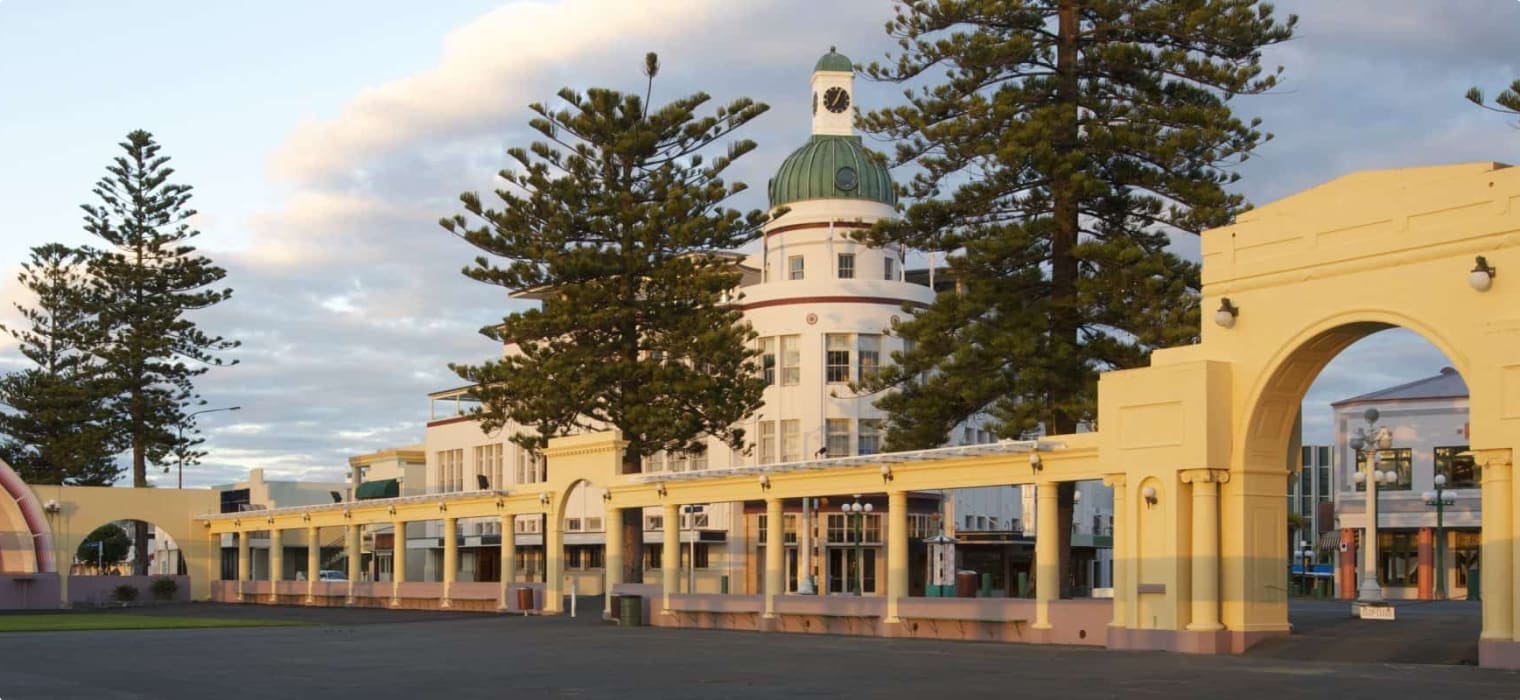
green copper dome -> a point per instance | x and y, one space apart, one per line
831 167
835 61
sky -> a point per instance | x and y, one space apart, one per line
325 140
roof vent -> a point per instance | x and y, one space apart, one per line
1448 370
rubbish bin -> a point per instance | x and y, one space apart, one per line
965 584
630 610
525 599
1474 584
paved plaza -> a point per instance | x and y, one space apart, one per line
377 654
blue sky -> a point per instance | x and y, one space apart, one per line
324 140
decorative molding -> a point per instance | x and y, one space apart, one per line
1205 475
792 301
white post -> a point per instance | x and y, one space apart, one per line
1370 591
572 596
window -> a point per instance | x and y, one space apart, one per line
530 467
791 360
593 524
868 442
767 442
869 356
654 522
968 436
760 521
791 440
679 461
794 267
836 358
654 463
841 528
698 550
1396 460
450 470
838 430
1461 472
572 524
698 458
488 464
889 269
652 556
768 360
846 266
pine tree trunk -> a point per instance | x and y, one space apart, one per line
139 528
1063 264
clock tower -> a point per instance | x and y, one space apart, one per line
834 95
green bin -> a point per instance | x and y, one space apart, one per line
1474 584
630 611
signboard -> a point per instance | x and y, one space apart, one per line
1376 612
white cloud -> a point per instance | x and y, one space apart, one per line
480 77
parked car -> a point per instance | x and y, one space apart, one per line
331 575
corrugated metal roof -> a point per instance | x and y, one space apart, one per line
1446 385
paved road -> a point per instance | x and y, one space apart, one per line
1425 632
467 656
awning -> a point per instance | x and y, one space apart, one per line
382 488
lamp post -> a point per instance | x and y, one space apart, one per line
857 510
179 435
1440 500
1369 441
1307 553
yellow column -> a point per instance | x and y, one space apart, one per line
450 557
398 560
670 553
1047 557
1205 560
243 561
775 554
1121 584
508 557
313 563
1497 555
276 565
554 564
897 551
351 546
612 573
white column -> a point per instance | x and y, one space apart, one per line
450 558
775 554
670 554
508 559
398 560
276 564
1047 557
1205 543
612 526
897 552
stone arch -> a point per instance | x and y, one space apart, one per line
1281 384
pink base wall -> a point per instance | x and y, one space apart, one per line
408 595
41 591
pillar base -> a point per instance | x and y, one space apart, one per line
1499 653
1220 641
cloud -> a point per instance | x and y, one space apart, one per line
480 78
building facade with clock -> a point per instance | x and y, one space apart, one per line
823 305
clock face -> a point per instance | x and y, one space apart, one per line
844 178
836 100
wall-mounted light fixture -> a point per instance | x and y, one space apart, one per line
765 482
1076 496
543 498
1149 494
391 510
237 522
306 517
886 473
349 515
443 507
499 504
1035 463
1225 316
606 496
52 506
659 489
1482 275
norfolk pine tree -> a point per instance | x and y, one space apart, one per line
1059 145
144 281
56 423
616 221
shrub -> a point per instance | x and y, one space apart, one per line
126 593
164 588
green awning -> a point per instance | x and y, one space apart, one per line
384 488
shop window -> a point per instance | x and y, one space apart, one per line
1461 471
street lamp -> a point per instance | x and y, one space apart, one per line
179 435
1440 499
1307 553
1369 441
857 510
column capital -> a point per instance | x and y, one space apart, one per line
1206 475
1115 479
1495 462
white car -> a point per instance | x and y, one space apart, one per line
331 575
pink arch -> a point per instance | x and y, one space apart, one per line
31 511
